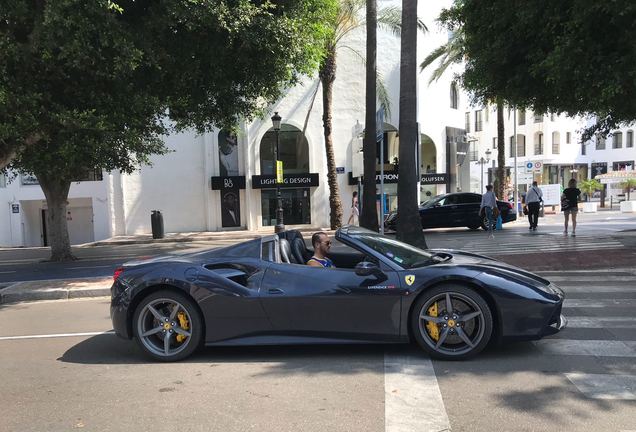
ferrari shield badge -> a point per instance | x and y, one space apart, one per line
409 279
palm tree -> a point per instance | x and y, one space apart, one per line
409 226
629 184
349 18
453 52
589 187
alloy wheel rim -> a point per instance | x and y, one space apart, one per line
159 325
460 328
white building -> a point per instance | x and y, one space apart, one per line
219 182
551 143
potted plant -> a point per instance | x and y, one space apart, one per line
589 187
628 206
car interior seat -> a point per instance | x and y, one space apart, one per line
299 250
285 251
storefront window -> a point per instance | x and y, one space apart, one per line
294 151
295 202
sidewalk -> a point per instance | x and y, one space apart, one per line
197 236
59 289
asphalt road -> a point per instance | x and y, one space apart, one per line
79 377
20 264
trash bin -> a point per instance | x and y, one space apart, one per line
156 222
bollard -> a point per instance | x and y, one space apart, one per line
156 222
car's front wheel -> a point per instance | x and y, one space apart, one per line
167 326
452 322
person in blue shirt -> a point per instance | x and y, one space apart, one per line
321 244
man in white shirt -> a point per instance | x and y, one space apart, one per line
534 197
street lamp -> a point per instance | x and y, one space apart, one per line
482 162
280 226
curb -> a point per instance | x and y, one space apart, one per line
60 289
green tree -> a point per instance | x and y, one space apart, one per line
453 52
570 56
88 85
348 17
628 185
589 186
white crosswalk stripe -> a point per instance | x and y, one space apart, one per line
515 244
594 312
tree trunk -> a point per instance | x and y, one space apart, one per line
327 77
409 226
56 193
501 151
369 215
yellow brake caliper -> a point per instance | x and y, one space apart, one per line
183 322
431 327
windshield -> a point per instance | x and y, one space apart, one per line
404 255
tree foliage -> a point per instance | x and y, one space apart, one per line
93 85
570 56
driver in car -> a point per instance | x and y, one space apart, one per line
321 244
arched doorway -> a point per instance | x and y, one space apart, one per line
294 152
428 165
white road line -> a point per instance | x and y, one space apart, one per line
598 303
413 401
597 348
601 322
6 272
58 335
592 289
603 386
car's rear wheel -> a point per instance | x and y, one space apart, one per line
167 326
452 322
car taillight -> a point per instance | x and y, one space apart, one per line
118 272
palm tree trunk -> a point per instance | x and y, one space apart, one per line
327 75
369 215
409 226
56 193
501 151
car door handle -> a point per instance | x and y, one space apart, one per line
275 291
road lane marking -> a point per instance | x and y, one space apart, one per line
7 272
601 322
596 348
603 386
58 335
598 303
413 401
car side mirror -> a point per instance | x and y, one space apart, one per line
366 268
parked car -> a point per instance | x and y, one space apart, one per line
260 292
460 209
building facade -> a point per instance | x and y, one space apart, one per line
550 144
220 181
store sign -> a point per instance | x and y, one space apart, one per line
289 181
228 183
393 177
15 208
598 168
428 179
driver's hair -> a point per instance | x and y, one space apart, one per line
317 238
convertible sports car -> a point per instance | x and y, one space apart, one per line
452 303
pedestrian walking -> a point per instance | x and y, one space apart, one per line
489 208
570 205
534 198
355 210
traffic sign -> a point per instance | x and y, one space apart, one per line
529 165
538 166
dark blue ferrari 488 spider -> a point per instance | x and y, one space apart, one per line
452 303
